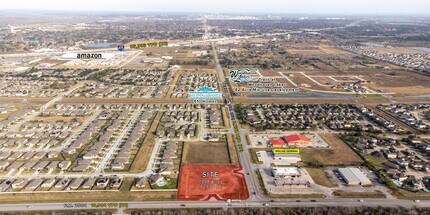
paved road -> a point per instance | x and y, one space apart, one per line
244 158
114 147
257 200
218 66
194 204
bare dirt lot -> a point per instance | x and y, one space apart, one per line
346 78
268 73
205 153
324 80
197 183
300 79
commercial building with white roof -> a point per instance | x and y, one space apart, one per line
354 176
286 172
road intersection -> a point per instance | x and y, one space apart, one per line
257 198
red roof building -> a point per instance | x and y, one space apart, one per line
277 143
296 139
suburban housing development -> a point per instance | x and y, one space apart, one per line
181 113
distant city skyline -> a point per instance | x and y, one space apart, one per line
229 6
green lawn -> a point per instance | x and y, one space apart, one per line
377 161
344 194
297 196
126 184
260 181
404 194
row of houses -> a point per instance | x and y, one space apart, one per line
66 113
146 77
214 117
65 184
14 118
179 124
164 164
26 142
399 158
82 138
388 147
100 90
123 155
7 108
192 82
387 124
298 116
180 116
411 60
9 155
108 106
34 165
26 87
187 130
93 152
57 126
354 87
409 114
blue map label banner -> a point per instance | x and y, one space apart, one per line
205 94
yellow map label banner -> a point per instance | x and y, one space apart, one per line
286 151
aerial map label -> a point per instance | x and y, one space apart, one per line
147 45
205 94
256 83
286 151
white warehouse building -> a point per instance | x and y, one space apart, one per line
354 176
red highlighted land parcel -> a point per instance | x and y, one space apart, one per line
212 182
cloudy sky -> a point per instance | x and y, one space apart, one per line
230 6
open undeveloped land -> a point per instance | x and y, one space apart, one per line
88 196
321 50
232 150
205 153
320 177
402 83
339 154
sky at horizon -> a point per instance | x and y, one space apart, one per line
229 6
